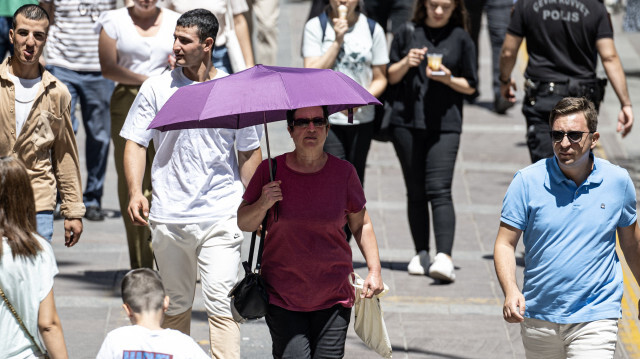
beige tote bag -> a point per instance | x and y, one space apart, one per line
369 321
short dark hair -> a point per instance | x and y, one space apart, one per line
291 113
204 20
31 12
142 290
569 105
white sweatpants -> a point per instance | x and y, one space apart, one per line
182 249
547 340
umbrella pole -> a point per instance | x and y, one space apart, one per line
266 134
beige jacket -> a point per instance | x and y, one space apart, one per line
46 144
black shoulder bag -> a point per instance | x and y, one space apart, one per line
249 297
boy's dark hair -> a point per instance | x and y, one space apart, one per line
31 12
290 113
142 290
569 105
203 20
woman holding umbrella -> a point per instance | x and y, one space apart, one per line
427 122
306 262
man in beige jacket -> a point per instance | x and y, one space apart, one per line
35 125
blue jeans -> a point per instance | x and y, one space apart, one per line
94 93
44 223
5 44
221 60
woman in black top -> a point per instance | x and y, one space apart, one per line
427 121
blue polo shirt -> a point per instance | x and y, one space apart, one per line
572 272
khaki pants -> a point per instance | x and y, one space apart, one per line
547 340
266 28
138 237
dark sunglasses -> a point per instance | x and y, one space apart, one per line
318 122
573 136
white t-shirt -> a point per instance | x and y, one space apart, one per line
217 7
135 341
194 174
358 53
26 92
25 282
72 43
142 55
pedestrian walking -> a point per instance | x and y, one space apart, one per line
498 13
36 128
568 209
72 57
144 302
427 121
197 182
306 262
564 40
27 267
135 43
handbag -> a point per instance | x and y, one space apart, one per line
43 353
249 297
233 45
384 114
369 320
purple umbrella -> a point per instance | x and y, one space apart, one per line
259 95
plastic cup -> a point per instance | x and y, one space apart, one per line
434 61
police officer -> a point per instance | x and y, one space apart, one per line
563 41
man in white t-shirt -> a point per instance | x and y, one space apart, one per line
35 125
197 185
144 301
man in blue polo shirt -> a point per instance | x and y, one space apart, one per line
569 208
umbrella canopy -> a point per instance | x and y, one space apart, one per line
258 95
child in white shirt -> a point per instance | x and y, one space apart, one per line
145 303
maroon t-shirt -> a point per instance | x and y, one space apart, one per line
306 260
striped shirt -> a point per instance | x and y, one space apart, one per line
72 42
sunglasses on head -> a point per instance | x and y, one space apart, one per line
573 136
318 122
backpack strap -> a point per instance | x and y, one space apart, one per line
324 18
372 25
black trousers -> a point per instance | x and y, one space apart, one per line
537 115
306 335
427 161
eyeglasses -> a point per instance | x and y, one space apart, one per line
573 136
318 122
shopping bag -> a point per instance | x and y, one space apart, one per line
369 320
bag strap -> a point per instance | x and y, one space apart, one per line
264 229
15 314
324 19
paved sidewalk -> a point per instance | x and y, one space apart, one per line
424 318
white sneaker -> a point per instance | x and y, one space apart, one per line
418 263
442 268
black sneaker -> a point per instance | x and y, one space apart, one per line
94 213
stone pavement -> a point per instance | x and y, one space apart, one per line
425 319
